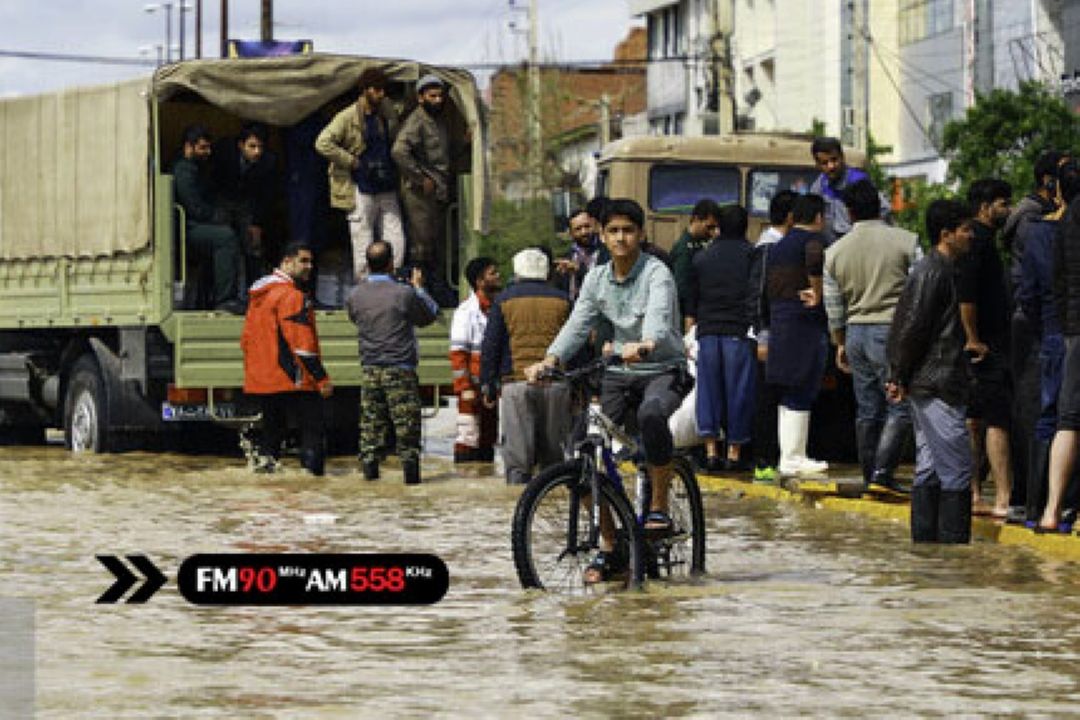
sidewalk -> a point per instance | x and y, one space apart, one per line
826 495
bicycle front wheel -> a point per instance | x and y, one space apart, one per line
551 533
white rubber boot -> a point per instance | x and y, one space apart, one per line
795 424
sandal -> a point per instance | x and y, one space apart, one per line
659 521
604 566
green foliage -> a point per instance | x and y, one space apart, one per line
877 174
514 226
1003 134
817 128
919 195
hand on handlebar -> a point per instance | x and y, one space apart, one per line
636 351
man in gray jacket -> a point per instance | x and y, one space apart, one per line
387 313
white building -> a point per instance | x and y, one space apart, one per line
899 68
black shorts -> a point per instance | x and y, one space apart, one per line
991 391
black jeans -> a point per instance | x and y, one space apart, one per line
306 407
643 404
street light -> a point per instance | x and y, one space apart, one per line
145 50
167 7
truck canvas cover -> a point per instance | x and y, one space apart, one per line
75 165
74 172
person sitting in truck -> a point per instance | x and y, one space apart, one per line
246 181
207 235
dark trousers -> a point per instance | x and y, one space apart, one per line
277 408
643 403
218 246
725 387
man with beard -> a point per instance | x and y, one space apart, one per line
423 155
208 238
363 180
282 366
582 256
984 314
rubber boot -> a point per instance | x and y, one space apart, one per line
925 500
954 516
412 472
784 436
313 461
794 432
1037 480
890 447
867 433
370 468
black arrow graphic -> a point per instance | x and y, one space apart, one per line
124 578
154 579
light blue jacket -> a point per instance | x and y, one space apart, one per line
644 306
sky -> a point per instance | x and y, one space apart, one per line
456 32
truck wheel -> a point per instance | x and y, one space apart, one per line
85 420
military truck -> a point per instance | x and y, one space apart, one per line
98 335
668 174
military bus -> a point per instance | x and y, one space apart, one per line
99 335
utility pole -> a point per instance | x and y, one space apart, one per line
859 62
721 47
198 29
536 155
267 34
224 28
182 7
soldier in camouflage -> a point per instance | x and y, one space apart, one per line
387 314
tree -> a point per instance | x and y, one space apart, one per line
1004 132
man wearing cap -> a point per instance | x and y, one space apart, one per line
422 153
363 179
522 322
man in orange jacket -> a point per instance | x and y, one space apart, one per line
282 364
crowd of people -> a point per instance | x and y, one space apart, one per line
967 341
961 342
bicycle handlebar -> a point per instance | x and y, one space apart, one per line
588 369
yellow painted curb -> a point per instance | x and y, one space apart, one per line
823 495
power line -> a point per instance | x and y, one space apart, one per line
63 57
903 100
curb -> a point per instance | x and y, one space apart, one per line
823 496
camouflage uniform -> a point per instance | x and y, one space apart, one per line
390 396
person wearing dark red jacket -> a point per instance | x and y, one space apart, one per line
282 363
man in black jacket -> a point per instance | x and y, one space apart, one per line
927 365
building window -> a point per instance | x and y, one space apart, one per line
665 30
921 19
940 107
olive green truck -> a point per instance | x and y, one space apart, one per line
96 337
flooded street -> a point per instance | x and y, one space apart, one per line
803 613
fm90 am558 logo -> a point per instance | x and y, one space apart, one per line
297 579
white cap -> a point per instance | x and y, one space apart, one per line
531 264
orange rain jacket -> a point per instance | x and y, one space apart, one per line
280 341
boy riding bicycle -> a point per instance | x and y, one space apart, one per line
632 302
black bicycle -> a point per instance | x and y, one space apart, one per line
569 509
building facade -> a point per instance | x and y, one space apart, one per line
893 70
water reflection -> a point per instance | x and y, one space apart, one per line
804 613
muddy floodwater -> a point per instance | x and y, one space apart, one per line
804 613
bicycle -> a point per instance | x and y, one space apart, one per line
557 522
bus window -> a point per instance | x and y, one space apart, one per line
677 188
764 183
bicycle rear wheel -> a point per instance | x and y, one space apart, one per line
682 553
550 533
